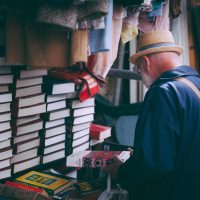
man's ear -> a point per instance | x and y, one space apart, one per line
145 63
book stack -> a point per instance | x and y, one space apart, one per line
6 151
27 105
54 133
78 125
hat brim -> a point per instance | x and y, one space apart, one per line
177 49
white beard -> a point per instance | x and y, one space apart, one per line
147 80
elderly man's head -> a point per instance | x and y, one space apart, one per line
156 53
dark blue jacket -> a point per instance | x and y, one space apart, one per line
166 161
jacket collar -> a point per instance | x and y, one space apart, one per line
179 71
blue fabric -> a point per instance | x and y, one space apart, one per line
166 164
100 39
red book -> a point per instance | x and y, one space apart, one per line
99 132
25 187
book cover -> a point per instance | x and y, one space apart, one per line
99 132
78 104
50 183
53 86
95 158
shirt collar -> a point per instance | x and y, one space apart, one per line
179 71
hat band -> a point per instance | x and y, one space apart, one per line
166 44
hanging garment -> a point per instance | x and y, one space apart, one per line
99 40
100 63
129 27
79 43
64 17
93 9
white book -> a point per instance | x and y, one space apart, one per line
53 156
26 82
27 145
49 124
32 110
7 153
55 131
82 147
54 148
26 164
94 142
78 127
83 119
56 105
59 97
24 155
28 91
5 135
5 173
7 97
5 117
30 127
81 133
83 111
58 114
54 140
4 107
25 137
6 79
4 126
27 119
4 163
5 143
81 140
86 103
33 73
31 100
4 88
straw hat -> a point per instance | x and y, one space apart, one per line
155 42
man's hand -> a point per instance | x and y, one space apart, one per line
113 168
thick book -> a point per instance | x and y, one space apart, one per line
5 107
24 155
56 105
59 97
24 120
57 114
5 126
29 100
4 135
5 163
26 145
78 104
5 97
54 140
27 91
27 82
79 120
75 128
95 158
6 79
53 123
6 153
28 127
29 110
99 132
25 137
32 73
82 147
5 143
26 164
54 86
5 116
76 142
54 148
53 156
82 111
5 173
50 132
51 183
4 88
80 133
